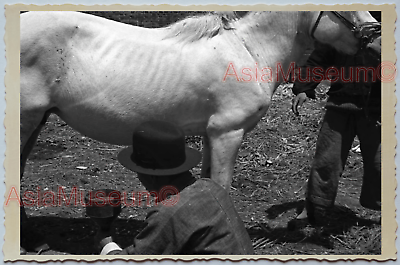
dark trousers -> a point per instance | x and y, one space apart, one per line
334 142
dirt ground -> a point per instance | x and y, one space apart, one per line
268 187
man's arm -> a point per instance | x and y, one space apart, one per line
311 74
154 239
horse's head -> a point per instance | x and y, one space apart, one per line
347 31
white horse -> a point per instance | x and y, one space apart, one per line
209 75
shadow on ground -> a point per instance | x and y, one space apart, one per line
340 220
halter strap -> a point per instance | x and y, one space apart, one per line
353 28
316 24
345 21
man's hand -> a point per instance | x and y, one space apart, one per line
298 102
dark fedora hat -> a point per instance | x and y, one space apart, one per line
159 149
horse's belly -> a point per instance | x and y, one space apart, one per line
114 121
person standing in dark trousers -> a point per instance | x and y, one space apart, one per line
199 219
353 109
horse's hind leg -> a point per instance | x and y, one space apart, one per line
27 144
31 126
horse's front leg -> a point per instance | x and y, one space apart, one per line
224 149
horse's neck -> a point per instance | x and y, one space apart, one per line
274 37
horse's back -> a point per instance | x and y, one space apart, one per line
67 25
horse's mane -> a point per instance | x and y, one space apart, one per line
202 26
